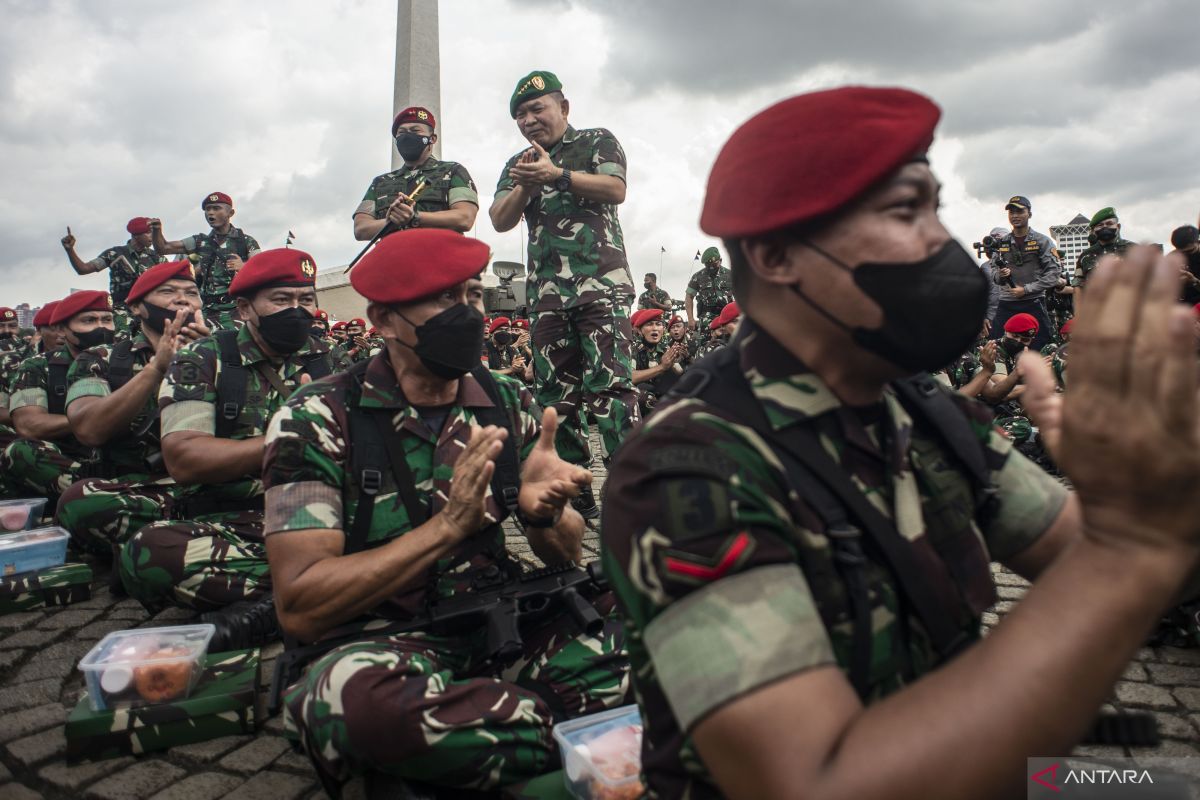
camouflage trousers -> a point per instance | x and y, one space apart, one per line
101 514
37 468
432 709
583 366
202 564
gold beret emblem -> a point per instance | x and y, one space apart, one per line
9 315
191 271
307 268
538 82
108 301
213 198
422 115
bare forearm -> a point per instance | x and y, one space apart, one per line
690 312
81 267
601 188
561 543
998 390
506 212
459 217
164 247
648 374
977 383
97 420
208 460
44 426
366 226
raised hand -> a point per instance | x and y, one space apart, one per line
547 482
468 486
170 341
68 241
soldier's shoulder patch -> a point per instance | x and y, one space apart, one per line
690 567
694 507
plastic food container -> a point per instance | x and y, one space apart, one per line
20 515
28 551
145 666
602 754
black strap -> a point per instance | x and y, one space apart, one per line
937 410
506 480
120 364
56 388
231 384
318 365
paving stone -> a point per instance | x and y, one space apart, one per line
171 616
98 630
989 618
136 782
39 747
1167 749
5 775
1144 694
1099 751
205 786
71 778
1134 672
1173 727
29 638
1009 579
272 786
1189 697
101 598
21 620
70 650
210 750
26 695
22 723
292 761
129 602
1010 592
15 791
1147 655
70 618
1178 655
1175 675
10 657
130 614
40 668
1004 606
275 725
256 755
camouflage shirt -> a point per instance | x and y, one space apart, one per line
648 356
656 295
89 376
12 353
120 276
447 183
1088 258
208 252
576 248
725 576
501 356
30 385
187 400
713 290
310 484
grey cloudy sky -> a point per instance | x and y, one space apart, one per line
133 107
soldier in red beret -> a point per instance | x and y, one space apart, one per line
721 328
503 355
124 262
217 256
356 537
824 518
112 405
657 360
447 197
214 406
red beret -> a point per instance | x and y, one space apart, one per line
413 114
284 266
1196 310
42 318
645 315
728 314
359 321
157 275
1066 326
216 197
412 264
322 315
521 323
338 326
821 150
1021 323
496 323
138 225
7 314
675 320
78 302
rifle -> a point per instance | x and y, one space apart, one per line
388 226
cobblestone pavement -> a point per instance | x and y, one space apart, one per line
39 684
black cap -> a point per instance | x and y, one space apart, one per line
1019 201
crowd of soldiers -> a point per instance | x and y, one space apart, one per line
342 485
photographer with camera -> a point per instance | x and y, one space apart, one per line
1024 267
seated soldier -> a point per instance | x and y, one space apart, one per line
112 405
215 403
503 355
656 360
48 458
677 329
721 329
412 704
13 351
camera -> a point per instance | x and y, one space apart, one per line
989 246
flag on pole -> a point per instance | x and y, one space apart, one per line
663 248
291 237
697 258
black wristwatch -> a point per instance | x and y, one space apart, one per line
563 182
415 220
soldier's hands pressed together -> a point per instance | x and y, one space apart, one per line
463 514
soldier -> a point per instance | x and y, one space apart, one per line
653 297
568 185
721 329
1005 391
320 328
503 355
124 262
810 410
215 403
1025 268
440 709
112 405
656 362
448 199
13 351
47 458
337 332
711 289
1106 227
1186 257
677 329
217 256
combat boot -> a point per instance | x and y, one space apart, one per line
585 504
243 625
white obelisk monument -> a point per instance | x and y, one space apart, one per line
418 65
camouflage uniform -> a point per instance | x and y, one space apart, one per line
417 705
656 295
207 252
105 511
120 279
581 289
214 557
712 344
650 392
729 586
12 353
446 183
31 465
713 290
1088 258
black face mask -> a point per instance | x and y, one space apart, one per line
449 344
1106 235
411 145
159 317
285 331
504 338
1194 260
932 309
1012 346
95 337
7 337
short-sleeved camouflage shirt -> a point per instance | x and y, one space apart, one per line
447 183
725 575
647 356
1088 258
655 295
576 248
713 290
30 386
125 265
310 484
208 252
89 377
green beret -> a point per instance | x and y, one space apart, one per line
535 84
711 254
1103 214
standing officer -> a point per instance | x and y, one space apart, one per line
656 362
653 297
870 644
354 542
568 185
711 288
217 255
448 199
1106 227
215 403
124 262
1024 268
112 405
